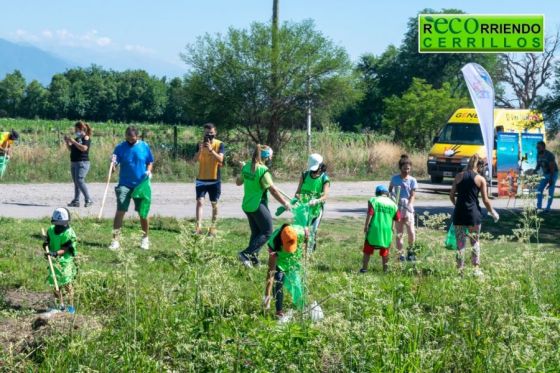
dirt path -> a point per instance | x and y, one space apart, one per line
347 199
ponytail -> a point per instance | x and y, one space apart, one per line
83 126
475 162
256 157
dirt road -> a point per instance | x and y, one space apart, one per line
347 199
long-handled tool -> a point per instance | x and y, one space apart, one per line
268 292
52 271
106 188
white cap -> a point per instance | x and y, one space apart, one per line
314 161
60 216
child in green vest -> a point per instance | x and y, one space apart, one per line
382 213
286 247
313 187
62 244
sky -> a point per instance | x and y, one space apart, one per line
155 32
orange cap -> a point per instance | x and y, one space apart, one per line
289 239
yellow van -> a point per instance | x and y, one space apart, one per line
461 138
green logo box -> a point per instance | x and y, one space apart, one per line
467 33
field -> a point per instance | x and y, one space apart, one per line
41 156
188 305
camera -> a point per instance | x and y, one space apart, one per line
208 138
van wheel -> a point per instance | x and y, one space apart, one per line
436 179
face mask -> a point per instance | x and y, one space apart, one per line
79 134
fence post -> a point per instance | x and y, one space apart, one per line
175 142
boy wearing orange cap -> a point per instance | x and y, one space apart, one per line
382 213
286 247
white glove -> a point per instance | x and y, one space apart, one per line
314 202
495 216
148 173
266 302
410 208
288 207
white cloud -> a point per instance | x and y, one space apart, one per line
64 37
138 49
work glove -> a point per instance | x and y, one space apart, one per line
495 216
314 202
288 207
266 302
148 174
410 208
53 254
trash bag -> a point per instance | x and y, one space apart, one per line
301 214
143 192
451 239
3 165
294 285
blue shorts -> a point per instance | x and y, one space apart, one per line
214 191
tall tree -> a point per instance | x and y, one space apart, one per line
58 100
420 112
230 80
527 73
34 103
12 92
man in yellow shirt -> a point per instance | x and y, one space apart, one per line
210 156
6 146
7 141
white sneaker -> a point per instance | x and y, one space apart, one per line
115 245
478 273
286 318
145 243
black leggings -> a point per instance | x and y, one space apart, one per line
278 289
260 222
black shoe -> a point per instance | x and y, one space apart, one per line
88 203
254 260
410 256
402 258
244 260
74 204
362 270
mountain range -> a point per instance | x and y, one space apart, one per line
36 63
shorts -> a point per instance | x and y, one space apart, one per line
369 249
214 191
124 195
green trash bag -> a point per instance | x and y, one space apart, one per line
143 192
294 285
3 165
451 238
301 214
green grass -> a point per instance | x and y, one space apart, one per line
188 305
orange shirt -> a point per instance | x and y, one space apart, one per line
209 166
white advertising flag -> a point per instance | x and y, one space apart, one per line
481 90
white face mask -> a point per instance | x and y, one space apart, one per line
79 134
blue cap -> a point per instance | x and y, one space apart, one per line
266 153
381 189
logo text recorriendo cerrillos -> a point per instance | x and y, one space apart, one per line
480 33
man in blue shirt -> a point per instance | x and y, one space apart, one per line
547 166
135 160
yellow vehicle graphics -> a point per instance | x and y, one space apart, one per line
461 138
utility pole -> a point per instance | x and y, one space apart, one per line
309 126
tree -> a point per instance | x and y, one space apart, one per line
528 73
34 103
176 110
12 91
141 97
58 100
231 82
419 113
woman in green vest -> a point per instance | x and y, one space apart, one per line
257 182
314 186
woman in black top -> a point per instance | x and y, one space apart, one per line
79 159
467 215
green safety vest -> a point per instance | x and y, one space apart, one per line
254 193
65 268
287 262
380 233
313 188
